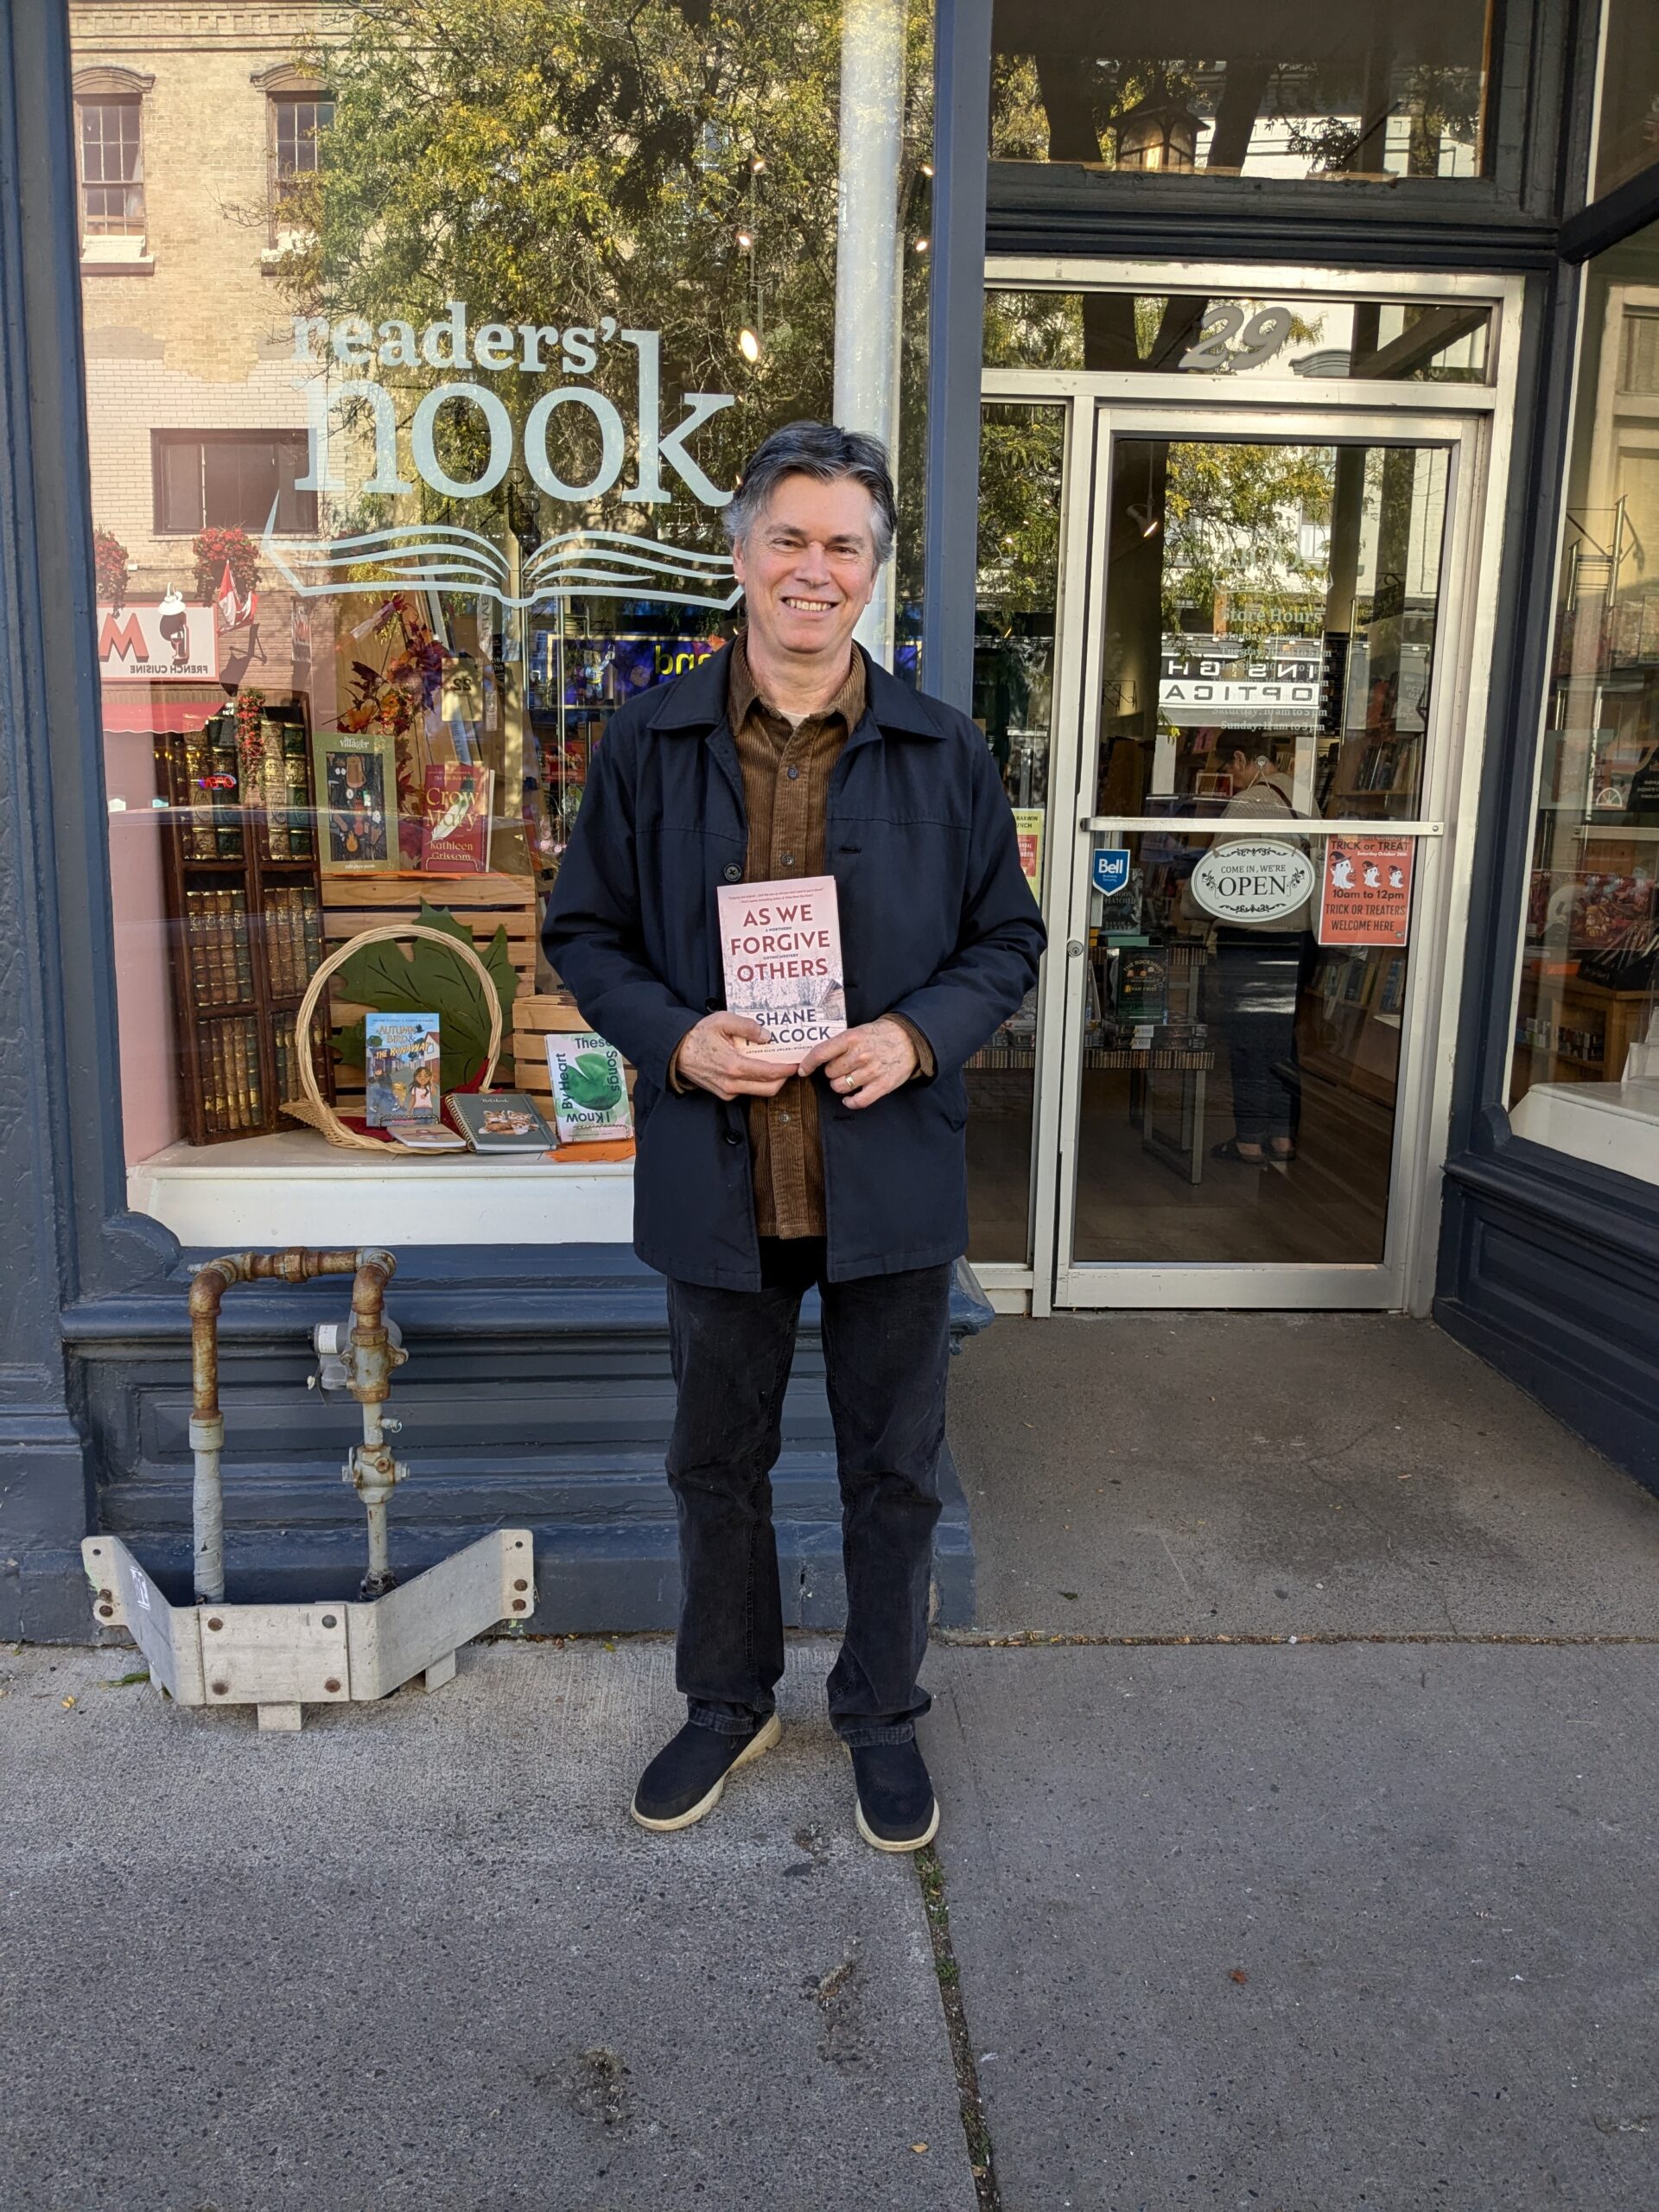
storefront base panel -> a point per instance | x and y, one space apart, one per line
43 1487
1555 1282
539 1395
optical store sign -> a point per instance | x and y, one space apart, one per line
351 415
1226 683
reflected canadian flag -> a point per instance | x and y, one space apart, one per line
234 611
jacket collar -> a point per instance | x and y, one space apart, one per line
697 700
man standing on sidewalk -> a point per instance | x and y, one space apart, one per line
793 754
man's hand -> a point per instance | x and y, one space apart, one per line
711 1057
864 1064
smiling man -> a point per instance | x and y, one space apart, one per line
793 754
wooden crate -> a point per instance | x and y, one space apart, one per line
352 903
534 1019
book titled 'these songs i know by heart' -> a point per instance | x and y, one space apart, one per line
780 946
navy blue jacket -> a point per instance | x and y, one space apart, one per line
937 923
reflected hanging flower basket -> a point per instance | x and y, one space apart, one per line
215 550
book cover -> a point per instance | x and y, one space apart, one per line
425 1136
590 1091
780 947
400 1068
455 834
1142 988
499 1121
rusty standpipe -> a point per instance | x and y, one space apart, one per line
366 1361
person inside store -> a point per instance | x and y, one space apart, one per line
1258 975
792 753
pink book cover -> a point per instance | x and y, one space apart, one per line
780 946
456 831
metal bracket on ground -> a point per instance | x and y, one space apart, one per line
281 1658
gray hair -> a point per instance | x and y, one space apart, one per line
827 453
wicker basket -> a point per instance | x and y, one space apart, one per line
313 1108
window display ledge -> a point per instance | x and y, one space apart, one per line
1611 1124
296 1188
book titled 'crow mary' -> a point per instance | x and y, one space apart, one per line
780 945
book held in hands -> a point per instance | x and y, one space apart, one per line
780 947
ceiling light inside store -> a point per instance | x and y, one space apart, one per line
922 245
746 239
1144 520
748 345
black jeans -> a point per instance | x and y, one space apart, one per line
886 1348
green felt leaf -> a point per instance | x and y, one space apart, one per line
421 977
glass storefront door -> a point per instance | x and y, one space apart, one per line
1226 658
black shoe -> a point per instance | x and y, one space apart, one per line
684 1780
896 1809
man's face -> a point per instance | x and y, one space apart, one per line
808 566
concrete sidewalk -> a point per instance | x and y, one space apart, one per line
418 1955
1365 1921
1276 1474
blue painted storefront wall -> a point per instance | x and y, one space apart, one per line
538 1389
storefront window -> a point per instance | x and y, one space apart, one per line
1303 91
1627 139
1585 1070
425 345
1321 341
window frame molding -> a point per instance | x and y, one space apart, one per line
107 85
164 435
1500 218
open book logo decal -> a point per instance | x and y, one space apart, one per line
442 556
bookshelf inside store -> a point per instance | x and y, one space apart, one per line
245 908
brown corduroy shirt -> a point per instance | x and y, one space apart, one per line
786 773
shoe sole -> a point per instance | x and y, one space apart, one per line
885 1843
763 1740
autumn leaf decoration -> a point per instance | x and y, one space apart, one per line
423 978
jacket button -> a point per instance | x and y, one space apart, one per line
731 1136
733 871
789 860
793 773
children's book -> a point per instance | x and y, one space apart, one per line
590 1090
455 833
426 1137
400 1067
780 946
499 1121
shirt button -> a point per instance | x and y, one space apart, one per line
733 871
793 773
